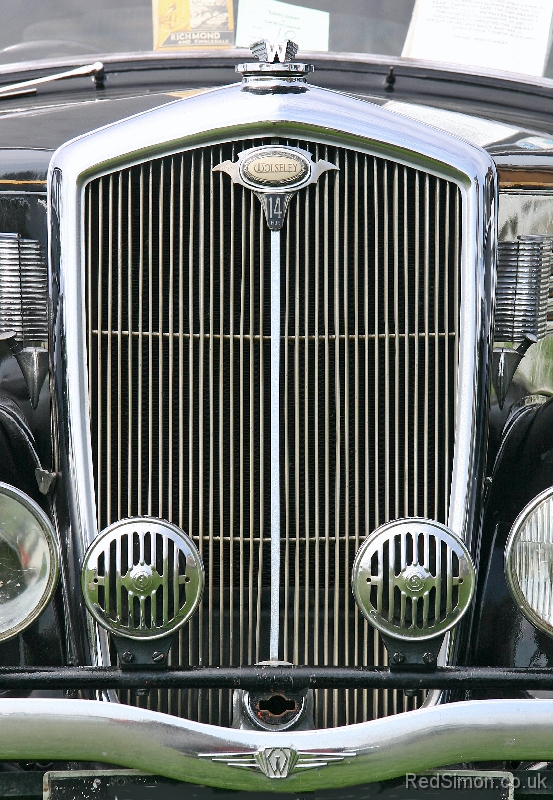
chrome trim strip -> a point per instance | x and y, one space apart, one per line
87 642
228 113
275 445
88 730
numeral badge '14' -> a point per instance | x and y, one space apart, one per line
275 207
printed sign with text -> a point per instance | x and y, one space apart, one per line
181 24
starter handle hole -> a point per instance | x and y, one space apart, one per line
277 705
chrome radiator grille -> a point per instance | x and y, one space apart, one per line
178 313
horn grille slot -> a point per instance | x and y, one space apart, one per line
142 579
413 579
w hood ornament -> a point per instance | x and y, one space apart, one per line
271 52
275 173
275 71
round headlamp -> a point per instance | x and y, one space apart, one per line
142 578
413 578
28 561
529 561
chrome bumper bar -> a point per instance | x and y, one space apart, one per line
88 730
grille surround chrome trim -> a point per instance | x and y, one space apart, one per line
228 113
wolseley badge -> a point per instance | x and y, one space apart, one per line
275 173
275 167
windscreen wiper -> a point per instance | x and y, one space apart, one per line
29 87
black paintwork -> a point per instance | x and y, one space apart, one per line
524 468
23 170
46 128
42 642
267 680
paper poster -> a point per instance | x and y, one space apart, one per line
510 35
478 131
181 24
271 19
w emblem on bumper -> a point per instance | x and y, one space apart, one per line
279 762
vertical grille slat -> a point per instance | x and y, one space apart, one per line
313 650
119 336
189 648
358 624
98 375
426 396
150 373
297 445
447 343
437 236
130 373
306 449
368 632
224 574
178 314
211 403
416 359
286 467
407 373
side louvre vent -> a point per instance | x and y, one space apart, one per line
23 274
522 293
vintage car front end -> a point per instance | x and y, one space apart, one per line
263 457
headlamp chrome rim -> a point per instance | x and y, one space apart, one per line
415 574
142 581
47 530
512 581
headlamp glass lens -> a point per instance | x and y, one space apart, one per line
28 561
529 561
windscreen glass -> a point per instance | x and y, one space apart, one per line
507 35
